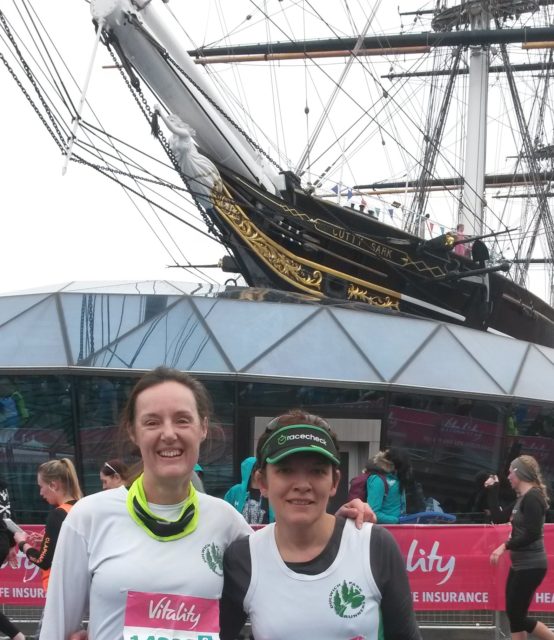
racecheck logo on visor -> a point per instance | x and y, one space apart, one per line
283 439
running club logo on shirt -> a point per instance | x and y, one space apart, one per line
213 557
347 600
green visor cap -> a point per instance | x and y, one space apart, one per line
299 438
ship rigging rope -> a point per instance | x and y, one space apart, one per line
44 122
341 156
57 124
169 59
543 214
365 111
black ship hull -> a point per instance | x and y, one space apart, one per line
311 246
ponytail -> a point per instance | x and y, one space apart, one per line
63 471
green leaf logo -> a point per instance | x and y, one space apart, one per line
213 557
347 600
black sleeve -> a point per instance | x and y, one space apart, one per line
389 570
237 571
43 557
498 515
5 542
532 510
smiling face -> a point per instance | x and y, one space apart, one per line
168 431
299 487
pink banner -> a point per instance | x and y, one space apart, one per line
448 567
22 584
171 612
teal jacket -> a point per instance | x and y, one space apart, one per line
238 493
388 508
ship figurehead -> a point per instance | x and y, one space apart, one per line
201 174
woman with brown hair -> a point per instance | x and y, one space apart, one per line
156 543
59 486
312 574
526 543
113 474
149 555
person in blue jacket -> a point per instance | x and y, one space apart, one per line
386 484
246 496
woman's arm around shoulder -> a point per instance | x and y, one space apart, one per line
389 571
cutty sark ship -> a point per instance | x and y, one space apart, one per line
281 229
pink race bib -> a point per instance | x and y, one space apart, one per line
166 616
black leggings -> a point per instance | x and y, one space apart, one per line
7 627
520 587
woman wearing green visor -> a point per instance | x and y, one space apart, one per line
312 574
146 559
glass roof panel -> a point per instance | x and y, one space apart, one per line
318 350
547 352
535 379
175 339
500 356
246 329
12 306
444 364
94 321
387 341
35 339
142 287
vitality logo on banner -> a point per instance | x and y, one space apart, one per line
166 616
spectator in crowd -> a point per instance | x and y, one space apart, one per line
13 411
160 536
463 248
113 474
59 486
8 550
312 574
388 479
526 543
246 496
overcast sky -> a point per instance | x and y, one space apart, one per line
81 226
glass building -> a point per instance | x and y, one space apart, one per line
460 401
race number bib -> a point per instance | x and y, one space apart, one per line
163 616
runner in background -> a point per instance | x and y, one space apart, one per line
526 543
113 474
59 486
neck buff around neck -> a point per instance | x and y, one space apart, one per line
155 526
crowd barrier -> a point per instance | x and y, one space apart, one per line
448 567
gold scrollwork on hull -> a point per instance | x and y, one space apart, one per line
385 302
275 256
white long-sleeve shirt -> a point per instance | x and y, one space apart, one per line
102 554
